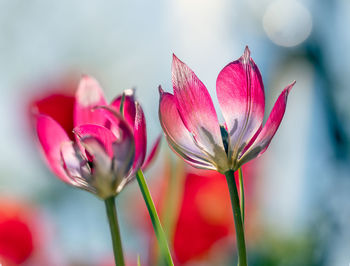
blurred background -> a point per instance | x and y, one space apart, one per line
297 193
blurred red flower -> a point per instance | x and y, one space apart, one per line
20 237
205 215
55 99
194 206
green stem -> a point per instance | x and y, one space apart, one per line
162 240
114 227
242 256
241 192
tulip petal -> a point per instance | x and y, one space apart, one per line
152 154
140 136
88 95
51 135
104 135
178 137
75 166
135 117
120 127
101 160
264 138
129 106
241 97
197 109
191 159
124 150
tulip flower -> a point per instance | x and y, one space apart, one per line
192 129
108 149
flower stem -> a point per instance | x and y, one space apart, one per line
114 227
162 240
241 192
242 256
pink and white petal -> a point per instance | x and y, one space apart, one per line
88 96
240 92
76 168
51 135
152 154
178 137
196 109
140 136
104 135
273 122
129 106
191 159
124 151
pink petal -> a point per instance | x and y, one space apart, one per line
140 136
152 154
264 138
120 128
51 135
129 106
178 137
104 135
241 97
88 96
196 109
135 117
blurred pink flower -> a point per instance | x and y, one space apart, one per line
107 148
191 126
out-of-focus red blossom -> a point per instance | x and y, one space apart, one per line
205 215
21 234
202 215
55 99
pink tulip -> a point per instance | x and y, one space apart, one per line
108 147
191 126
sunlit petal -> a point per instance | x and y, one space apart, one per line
264 138
241 97
196 109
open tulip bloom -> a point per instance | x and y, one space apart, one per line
192 129
108 151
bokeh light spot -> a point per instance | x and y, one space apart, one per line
287 22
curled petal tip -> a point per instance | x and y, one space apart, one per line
76 133
176 60
160 89
86 78
290 86
129 92
246 55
